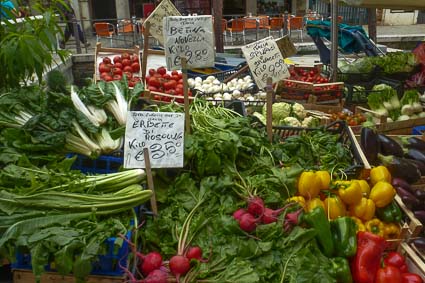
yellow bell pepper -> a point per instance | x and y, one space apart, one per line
365 188
309 184
375 226
314 203
379 173
391 230
325 179
334 207
365 209
299 199
350 194
382 194
359 224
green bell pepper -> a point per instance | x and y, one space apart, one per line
389 213
341 270
344 235
318 220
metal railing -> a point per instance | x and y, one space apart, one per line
350 15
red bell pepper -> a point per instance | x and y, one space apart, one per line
388 274
411 278
397 260
366 262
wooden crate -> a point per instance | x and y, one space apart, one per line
26 276
101 52
392 128
414 259
414 225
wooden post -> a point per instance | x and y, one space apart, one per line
150 181
371 24
269 125
334 40
186 96
145 51
218 28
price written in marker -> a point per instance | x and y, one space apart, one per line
265 61
189 37
162 133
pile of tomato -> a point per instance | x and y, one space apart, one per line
161 80
307 75
120 65
351 119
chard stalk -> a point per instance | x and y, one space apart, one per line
80 106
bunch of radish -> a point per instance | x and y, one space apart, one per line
256 213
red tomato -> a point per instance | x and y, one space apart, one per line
118 65
117 59
129 75
128 69
117 71
170 91
110 65
166 77
125 56
126 62
154 82
179 86
179 91
174 73
102 75
152 88
106 60
135 58
117 77
180 81
157 75
388 274
411 278
104 69
135 66
175 77
147 78
108 78
161 70
152 72
180 75
173 83
131 84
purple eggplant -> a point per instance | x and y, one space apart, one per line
420 215
415 154
411 203
400 168
420 194
420 165
397 182
416 143
369 143
388 146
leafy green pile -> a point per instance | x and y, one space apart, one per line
222 153
61 215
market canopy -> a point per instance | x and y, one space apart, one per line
393 4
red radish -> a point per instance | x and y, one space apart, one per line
271 215
238 213
256 206
156 276
247 222
179 265
194 252
151 261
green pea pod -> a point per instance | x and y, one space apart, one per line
341 270
389 213
344 236
318 220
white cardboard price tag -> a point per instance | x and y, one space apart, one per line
190 37
265 61
162 133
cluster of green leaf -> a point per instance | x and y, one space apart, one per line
220 156
29 45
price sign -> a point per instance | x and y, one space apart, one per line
164 9
265 61
162 133
189 37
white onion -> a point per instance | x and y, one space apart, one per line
227 96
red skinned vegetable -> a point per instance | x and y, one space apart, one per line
367 260
411 278
397 260
388 274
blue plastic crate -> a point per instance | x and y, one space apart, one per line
108 264
418 130
102 165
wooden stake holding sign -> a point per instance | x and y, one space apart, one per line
149 176
186 95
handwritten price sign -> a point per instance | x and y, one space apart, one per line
162 133
155 19
189 37
265 61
